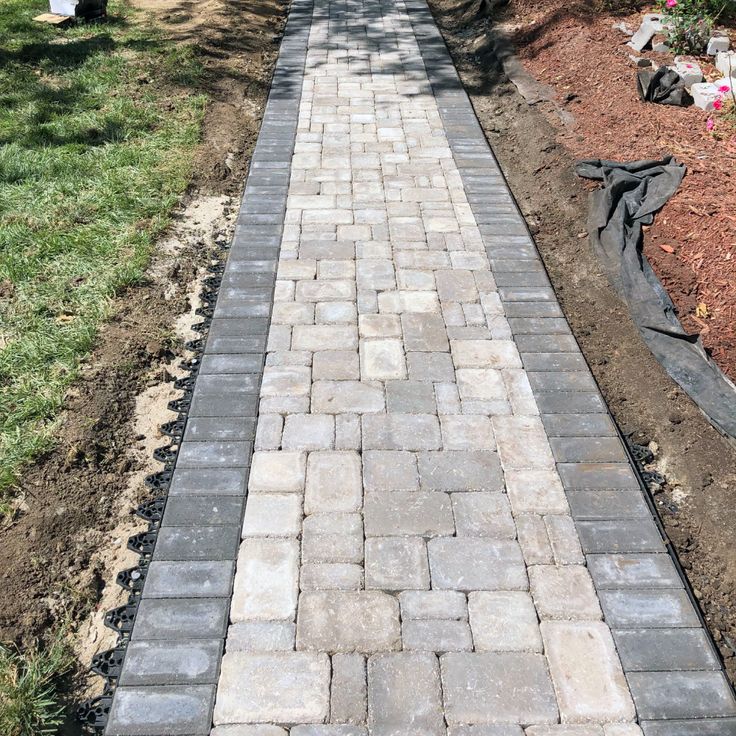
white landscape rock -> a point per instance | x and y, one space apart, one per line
719 41
689 71
726 63
650 25
705 94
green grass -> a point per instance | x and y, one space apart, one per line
29 698
98 125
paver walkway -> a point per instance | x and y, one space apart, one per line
443 534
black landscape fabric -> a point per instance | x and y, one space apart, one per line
630 196
663 86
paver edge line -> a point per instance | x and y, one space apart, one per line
421 7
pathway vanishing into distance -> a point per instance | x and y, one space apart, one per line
443 533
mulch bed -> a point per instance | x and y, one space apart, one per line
692 244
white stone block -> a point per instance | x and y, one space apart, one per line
704 95
726 63
689 71
651 24
718 42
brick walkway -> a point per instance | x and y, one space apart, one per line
443 531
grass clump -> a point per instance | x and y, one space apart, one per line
29 702
98 126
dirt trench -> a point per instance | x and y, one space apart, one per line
698 502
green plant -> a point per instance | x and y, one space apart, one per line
690 23
29 698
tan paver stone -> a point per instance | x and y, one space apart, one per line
347 397
424 332
264 729
509 687
563 729
457 470
317 337
396 563
329 730
273 515
485 384
401 432
504 621
563 539
427 635
292 313
586 671
333 482
349 692
261 636
522 443
531 532
473 563
433 604
483 515
499 729
266 580
409 513
308 432
285 687
277 472
564 592
456 285
404 695
379 325
485 354
467 432
536 492
390 470
331 576
382 359
335 365
348 621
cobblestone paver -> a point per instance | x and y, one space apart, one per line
443 534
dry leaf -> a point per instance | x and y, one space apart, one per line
64 319
666 248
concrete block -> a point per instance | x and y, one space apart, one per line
719 41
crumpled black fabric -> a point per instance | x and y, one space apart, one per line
630 196
663 86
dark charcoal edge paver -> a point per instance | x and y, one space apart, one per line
669 701
168 680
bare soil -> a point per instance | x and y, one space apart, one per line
537 146
59 556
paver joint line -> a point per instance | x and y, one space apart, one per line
444 534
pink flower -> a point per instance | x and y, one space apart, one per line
671 3
710 125
724 88
717 104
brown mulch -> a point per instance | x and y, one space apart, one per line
692 245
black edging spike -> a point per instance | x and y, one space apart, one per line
133 578
159 481
143 542
120 619
151 511
93 713
166 454
108 664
